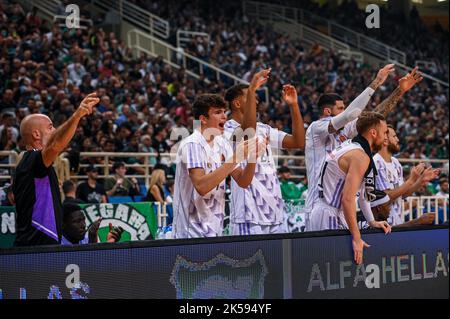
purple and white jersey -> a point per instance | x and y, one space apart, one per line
390 176
332 178
320 143
261 203
196 216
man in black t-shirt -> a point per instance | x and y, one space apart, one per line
36 186
91 191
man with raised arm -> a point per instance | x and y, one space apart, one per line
259 208
36 186
337 124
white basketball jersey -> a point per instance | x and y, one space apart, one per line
332 178
390 176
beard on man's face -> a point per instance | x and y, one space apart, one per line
393 148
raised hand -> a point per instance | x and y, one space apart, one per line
411 79
114 234
93 230
290 95
382 76
259 79
87 105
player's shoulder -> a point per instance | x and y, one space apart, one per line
396 161
194 138
231 125
319 123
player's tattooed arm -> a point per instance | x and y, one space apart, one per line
405 84
382 76
388 104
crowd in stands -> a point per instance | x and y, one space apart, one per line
48 69
240 47
407 33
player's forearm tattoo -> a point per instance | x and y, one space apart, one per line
375 84
388 104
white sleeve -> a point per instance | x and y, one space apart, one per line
353 110
381 181
319 128
364 205
350 129
276 138
193 156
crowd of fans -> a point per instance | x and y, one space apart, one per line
407 33
241 47
48 69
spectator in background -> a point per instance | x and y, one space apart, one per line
443 192
156 187
119 185
74 228
69 190
8 121
91 191
289 190
146 147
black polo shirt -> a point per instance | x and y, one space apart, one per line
38 202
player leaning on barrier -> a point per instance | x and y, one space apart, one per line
349 172
35 186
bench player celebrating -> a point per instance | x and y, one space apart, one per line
204 160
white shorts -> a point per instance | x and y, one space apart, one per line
241 229
326 217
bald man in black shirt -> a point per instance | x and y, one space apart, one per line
36 186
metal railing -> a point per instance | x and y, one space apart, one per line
261 11
177 58
139 17
84 23
145 162
407 69
267 14
185 37
332 29
414 207
51 8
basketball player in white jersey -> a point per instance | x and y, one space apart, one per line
390 178
204 160
259 208
338 124
348 172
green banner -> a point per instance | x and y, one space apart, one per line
137 219
8 226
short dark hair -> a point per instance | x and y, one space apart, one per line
206 101
117 165
69 209
68 186
368 120
234 92
283 169
328 100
